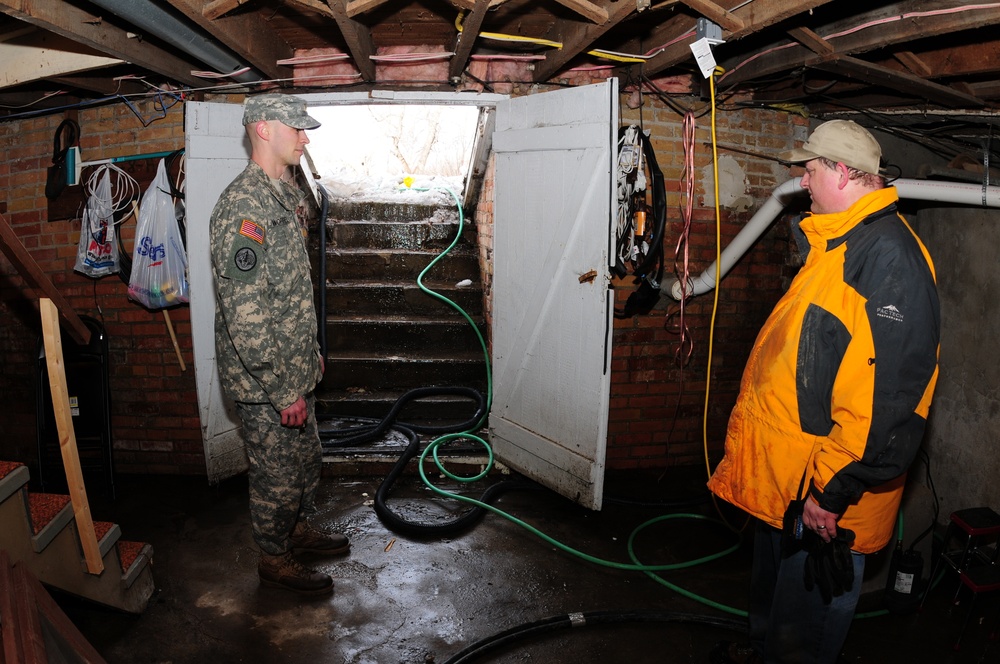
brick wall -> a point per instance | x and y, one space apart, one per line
658 395
155 426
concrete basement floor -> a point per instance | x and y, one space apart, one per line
416 600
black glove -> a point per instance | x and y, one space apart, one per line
829 565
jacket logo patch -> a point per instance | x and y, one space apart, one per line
245 259
253 231
891 312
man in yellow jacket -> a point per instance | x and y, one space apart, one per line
832 405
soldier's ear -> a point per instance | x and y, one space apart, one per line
262 129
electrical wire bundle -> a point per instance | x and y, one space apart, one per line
641 224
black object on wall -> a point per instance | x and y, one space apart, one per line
90 404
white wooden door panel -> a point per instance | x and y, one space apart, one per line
552 309
216 151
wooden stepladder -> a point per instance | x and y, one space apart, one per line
67 437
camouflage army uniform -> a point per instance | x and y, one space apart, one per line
266 348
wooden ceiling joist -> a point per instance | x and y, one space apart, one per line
812 41
246 35
466 39
716 14
764 13
868 32
216 8
358 38
589 10
355 7
88 29
897 80
579 40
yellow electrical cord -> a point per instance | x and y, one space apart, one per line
607 55
718 270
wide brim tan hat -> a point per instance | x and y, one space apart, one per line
841 141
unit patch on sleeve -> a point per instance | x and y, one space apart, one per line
246 252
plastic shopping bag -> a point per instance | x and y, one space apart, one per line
97 252
159 263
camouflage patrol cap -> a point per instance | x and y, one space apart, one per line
284 108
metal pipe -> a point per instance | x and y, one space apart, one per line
155 20
922 190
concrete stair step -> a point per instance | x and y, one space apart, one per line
396 265
399 374
398 211
398 299
434 410
397 334
414 236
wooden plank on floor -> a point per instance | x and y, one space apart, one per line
67 435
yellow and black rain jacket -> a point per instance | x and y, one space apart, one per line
839 383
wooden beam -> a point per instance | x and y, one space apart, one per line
578 40
65 19
887 29
45 56
756 16
52 340
26 266
911 61
358 37
101 84
246 34
716 14
216 8
896 80
466 39
592 12
812 41
355 7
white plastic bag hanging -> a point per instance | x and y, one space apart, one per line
159 263
97 252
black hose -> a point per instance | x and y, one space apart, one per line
323 211
586 619
371 429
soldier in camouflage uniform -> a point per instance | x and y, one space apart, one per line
265 335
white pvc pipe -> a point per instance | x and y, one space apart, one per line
922 190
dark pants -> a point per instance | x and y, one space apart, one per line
788 624
285 466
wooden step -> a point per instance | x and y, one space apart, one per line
399 236
346 263
13 477
399 335
436 410
401 373
401 298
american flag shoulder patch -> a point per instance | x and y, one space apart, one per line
253 231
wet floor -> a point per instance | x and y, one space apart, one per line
497 591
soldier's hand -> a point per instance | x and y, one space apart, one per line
295 415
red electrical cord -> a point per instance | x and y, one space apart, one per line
682 251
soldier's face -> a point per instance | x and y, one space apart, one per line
288 142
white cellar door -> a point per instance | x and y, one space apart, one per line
552 305
216 151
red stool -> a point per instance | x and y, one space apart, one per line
980 526
978 579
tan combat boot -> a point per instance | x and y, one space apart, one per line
307 538
285 572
